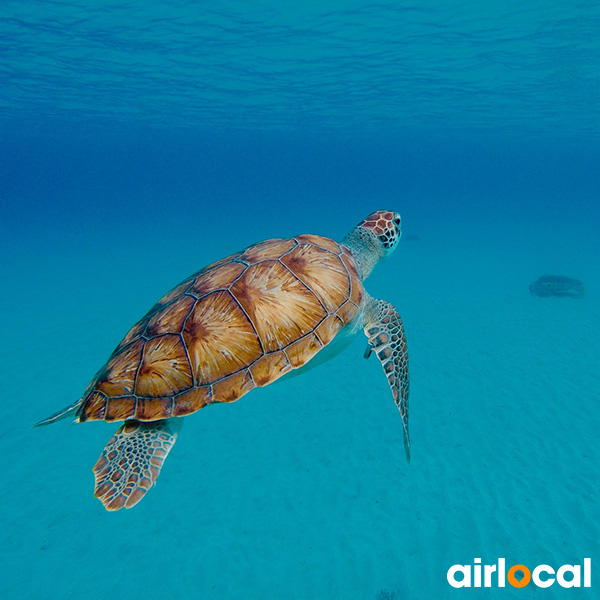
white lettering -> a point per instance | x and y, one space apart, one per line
501 572
543 576
587 572
575 582
543 583
488 570
465 570
477 573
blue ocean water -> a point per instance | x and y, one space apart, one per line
142 141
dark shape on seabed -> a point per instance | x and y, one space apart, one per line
557 285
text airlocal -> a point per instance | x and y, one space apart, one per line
478 575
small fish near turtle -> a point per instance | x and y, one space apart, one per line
238 324
557 285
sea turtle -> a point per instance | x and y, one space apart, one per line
237 324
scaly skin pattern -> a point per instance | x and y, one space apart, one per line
131 461
385 332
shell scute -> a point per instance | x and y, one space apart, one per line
356 291
133 334
268 250
191 401
329 328
118 377
151 409
178 290
349 263
320 241
170 318
94 408
270 367
164 369
233 387
217 278
322 272
302 350
119 409
221 261
219 338
347 312
279 305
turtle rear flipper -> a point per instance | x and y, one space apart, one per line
385 332
131 461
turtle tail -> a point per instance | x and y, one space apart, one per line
61 414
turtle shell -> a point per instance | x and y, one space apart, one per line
238 324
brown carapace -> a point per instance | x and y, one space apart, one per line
235 325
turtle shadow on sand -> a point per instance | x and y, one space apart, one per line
557 285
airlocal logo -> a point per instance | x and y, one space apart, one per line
519 576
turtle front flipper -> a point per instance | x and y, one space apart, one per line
384 330
131 461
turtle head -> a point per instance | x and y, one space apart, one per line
386 227
374 239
